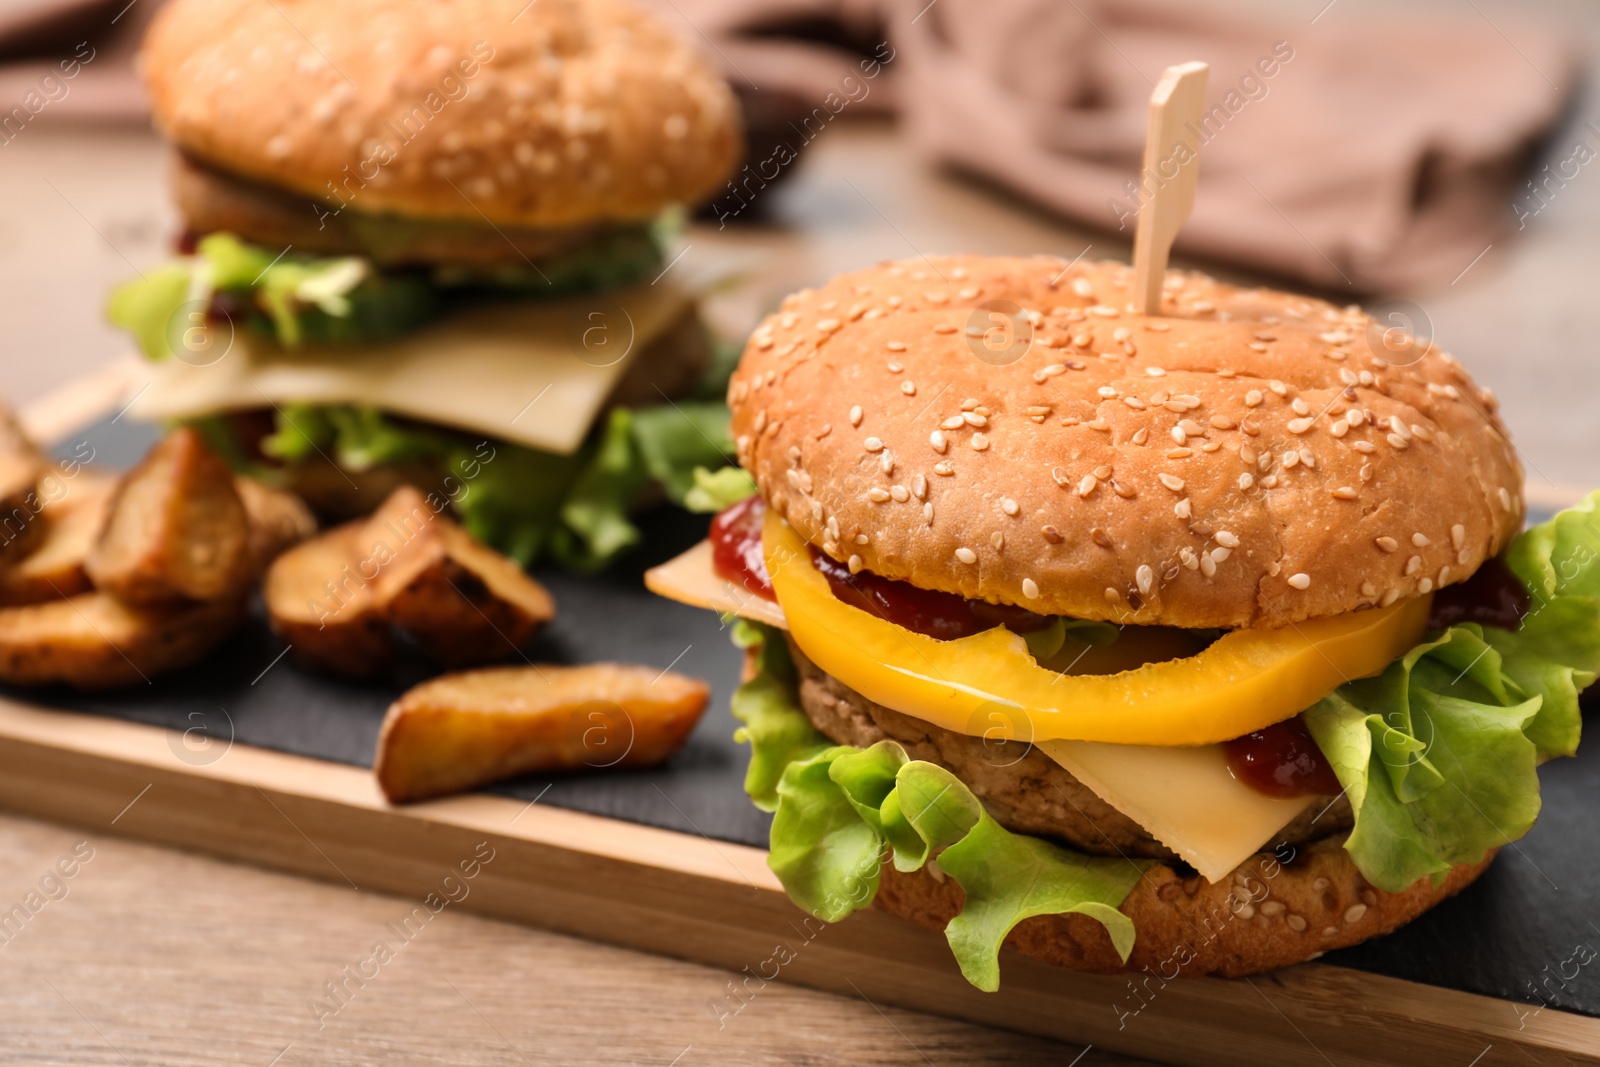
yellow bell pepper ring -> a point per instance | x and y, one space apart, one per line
1244 681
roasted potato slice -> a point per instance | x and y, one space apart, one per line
463 730
176 530
278 520
94 641
21 464
325 610
55 568
462 602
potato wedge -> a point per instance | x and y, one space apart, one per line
94 641
177 529
21 464
325 610
462 602
55 568
463 730
278 520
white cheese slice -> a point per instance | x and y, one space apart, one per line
1185 797
690 579
534 372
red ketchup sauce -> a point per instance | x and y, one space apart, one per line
945 616
736 546
1493 596
1281 761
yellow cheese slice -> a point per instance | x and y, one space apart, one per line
690 579
1185 797
534 372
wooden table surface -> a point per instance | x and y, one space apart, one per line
158 957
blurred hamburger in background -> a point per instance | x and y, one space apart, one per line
424 243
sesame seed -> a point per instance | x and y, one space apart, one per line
1291 459
1365 446
1388 544
937 440
1308 459
1154 372
1413 565
1182 508
855 415
1278 387
1368 589
1444 575
1345 492
900 493
1171 481
828 325
1505 498
966 555
1400 443
1220 555
979 442
1225 537
1145 577
1421 540
894 368
1134 402
998 540
872 444
1208 566
954 422
1187 556
876 495
927 513
1356 417
1222 422
1179 435
1301 580
1140 436
1099 537
1030 589
1009 506
972 418
1389 598
1253 398
1458 535
1087 485
854 563
1339 428
1300 426
1300 407
1354 913
1179 453
943 469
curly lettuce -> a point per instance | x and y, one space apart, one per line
306 299
839 812
530 504
1439 755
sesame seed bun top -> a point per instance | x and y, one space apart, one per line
551 114
1244 459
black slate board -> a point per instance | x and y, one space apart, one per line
1528 931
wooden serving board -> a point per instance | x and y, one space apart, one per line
249 758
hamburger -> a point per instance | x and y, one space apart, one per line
1201 642
424 243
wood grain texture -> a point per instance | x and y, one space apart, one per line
157 957
716 903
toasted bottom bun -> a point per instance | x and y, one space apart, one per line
1277 909
1269 915
1025 790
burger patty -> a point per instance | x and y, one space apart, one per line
212 200
1023 789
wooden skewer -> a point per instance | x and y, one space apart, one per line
1171 169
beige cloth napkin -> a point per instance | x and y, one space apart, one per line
1353 153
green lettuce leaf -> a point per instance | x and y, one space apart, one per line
1439 754
528 504
714 490
839 812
